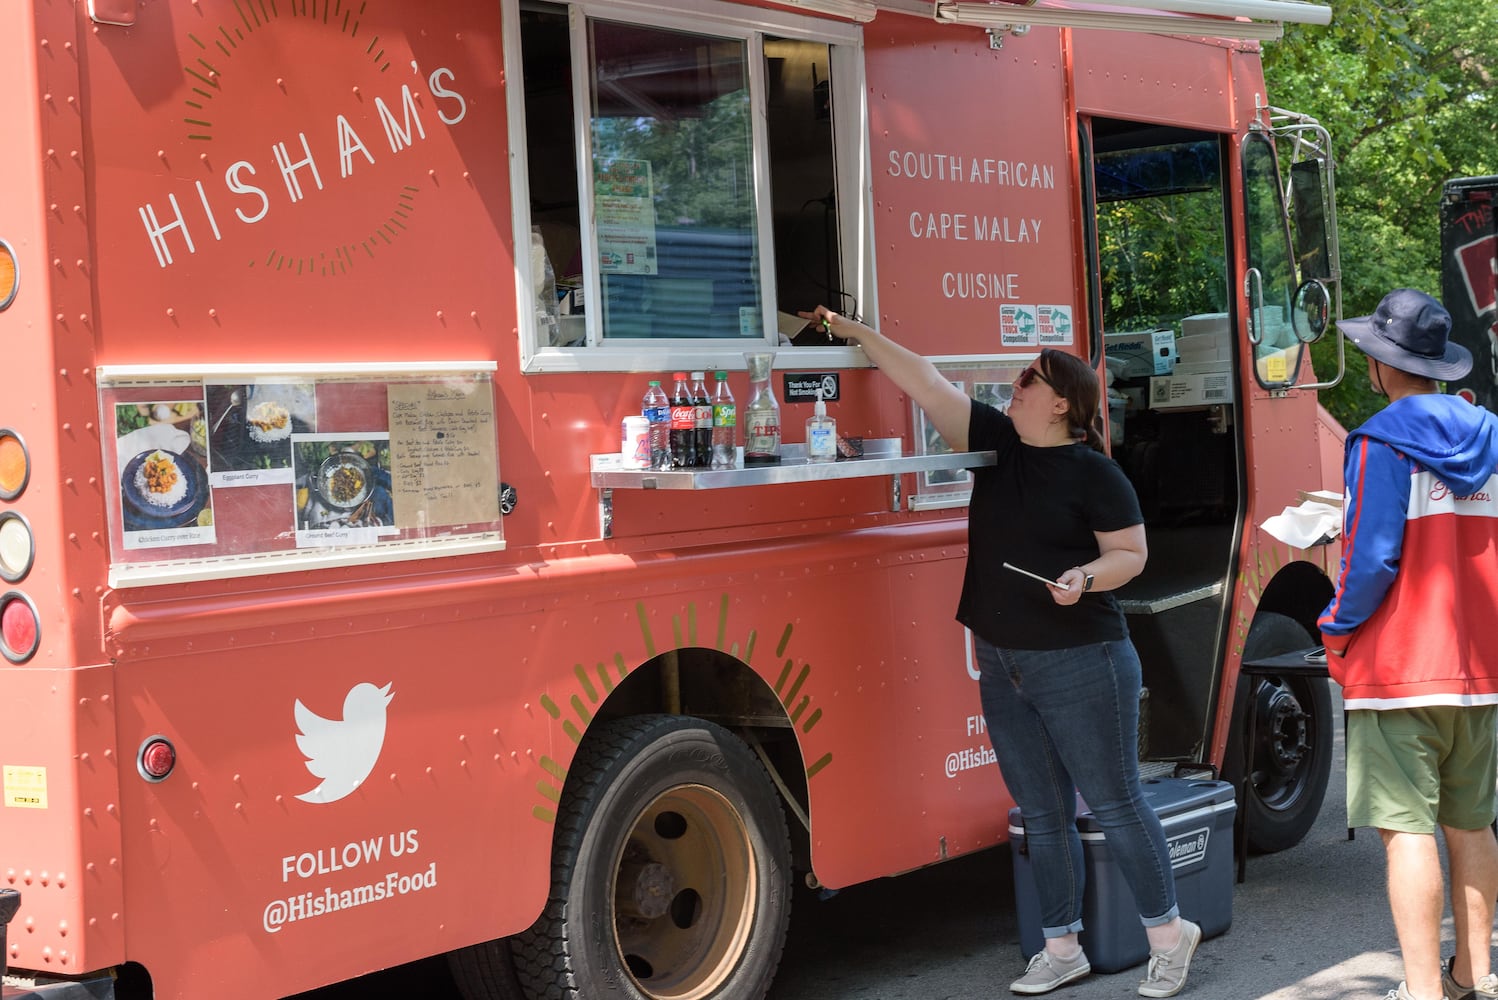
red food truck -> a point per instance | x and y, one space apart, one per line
338 633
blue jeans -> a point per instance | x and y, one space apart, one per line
1064 721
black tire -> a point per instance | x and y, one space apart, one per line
485 971
670 872
1292 750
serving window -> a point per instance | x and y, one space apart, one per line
237 471
641 125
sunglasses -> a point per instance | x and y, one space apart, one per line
1029 375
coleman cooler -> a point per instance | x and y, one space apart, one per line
1197 815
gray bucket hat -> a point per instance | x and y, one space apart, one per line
1409 331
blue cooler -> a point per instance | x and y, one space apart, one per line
1197 816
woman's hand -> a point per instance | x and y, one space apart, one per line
836 325
1074 579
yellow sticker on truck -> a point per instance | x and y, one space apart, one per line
25 787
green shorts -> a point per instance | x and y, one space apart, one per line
1410 769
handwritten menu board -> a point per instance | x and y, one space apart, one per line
443 466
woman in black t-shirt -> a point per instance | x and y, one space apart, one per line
1059 677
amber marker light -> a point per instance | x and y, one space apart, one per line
17 547
156 758
15 464
20 628
10 275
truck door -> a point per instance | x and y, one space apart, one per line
1163 314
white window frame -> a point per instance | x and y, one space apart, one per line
850 127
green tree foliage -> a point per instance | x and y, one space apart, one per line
1406 90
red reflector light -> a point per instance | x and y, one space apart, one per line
20 629
157 758
15 464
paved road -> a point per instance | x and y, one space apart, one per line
1310 923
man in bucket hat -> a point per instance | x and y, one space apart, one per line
1409 637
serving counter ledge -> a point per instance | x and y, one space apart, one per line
881 458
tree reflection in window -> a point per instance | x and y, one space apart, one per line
674 191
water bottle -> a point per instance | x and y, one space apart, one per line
702 441
683 425
657 410
725 425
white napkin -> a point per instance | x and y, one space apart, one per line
1311 523
149 438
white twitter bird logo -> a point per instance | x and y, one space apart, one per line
342 753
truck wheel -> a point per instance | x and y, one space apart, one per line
485 971
1291 753
670 871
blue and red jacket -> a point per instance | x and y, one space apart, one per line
1414 621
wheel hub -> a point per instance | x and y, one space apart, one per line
645 890
1288 744
684 894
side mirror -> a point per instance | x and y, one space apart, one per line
1311 313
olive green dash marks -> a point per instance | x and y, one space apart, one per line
591 685
568 726
785 639
722 623
550 787
645 630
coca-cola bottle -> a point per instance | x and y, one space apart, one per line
683 425
702 442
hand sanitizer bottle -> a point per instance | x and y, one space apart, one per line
821 433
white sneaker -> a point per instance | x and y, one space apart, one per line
1166 975
1047 971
